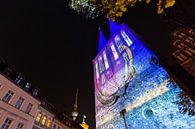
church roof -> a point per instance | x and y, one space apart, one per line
102 40
113 27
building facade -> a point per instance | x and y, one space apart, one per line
22 107
18 102
184 49
132 88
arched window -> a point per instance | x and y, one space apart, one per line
96 70
101 64
114 52
119 43
126 38
105 60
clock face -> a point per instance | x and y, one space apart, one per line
112 83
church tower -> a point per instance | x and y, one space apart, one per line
132 88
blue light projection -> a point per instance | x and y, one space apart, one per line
133 90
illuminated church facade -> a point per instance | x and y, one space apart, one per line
133 90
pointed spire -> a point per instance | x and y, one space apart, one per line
76 100
113 27
75 108
102 40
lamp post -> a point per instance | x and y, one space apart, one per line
123 115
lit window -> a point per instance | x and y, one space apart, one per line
43 120
49 123
28 108
19 103
27 86
97 71
6 123
114 52
101 64
126 38
18 79
119 44
20 126
8 96
38 118
105 60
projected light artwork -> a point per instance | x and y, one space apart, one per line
133 90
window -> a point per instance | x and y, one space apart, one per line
126 38
105 60
49 123
27 86
38 118
35 92
101 64
19 103
43 120
8 96
97 71
18 79
20 126
6 123
114 52
119 44
28 108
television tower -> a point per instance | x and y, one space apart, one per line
75 108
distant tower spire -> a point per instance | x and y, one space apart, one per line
75 108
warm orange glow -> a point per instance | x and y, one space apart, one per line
44 120
38 117
49 123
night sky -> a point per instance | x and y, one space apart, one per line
53 47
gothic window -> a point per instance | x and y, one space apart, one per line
119 43
97 70
19 103
105 60
8 96
114 52
101 64
126 38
